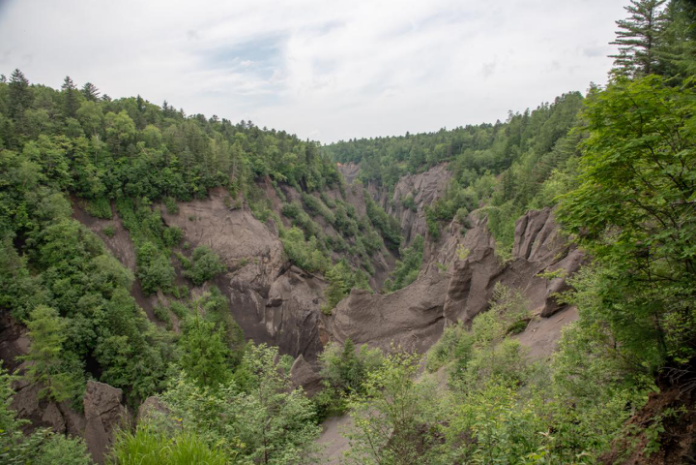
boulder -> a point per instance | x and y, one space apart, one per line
103 414
152 408
305 376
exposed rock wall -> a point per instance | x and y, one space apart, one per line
539 247
104 413
424 188
412 317
273 302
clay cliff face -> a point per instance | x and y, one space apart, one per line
423 188
415 316
411 318
539 247
272 302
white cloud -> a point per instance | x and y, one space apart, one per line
323 69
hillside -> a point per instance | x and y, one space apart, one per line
182 289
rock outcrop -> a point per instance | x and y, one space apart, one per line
152 408
411 317
306 376
103 414
13 341
539 248
422 189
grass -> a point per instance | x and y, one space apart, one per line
148 447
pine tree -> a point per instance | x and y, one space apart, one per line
70 102
20 96
677 48
90 92
638 37
351 367
204 356
47 331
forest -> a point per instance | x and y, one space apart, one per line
616 164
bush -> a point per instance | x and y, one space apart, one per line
171 236
149 447
407 269
171 205
99 208
154 269
304 254
205 265
179 309
341 280
162 314
387 226
109 231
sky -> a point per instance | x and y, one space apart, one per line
323 69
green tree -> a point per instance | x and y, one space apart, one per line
390 414
204 356
633 211
90 92
677 48
638 38
47 331
205 265
19 96
70 101
261 410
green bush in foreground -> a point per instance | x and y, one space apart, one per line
149 447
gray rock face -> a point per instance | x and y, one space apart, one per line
538 247
411 317
424 188
13 341
350 171
304 375
103 414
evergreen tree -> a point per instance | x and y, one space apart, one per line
677 48
638 37
20 96
352 370
205 353
48 332
90 92
70 102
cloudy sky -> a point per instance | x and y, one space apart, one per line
324 69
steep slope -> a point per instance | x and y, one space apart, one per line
414 316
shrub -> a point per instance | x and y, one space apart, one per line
171 236
162 314
99 208
205 265
305 254
154 269
171 205
149 447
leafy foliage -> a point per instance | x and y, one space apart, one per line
257 416
407 269
633 211
205 265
